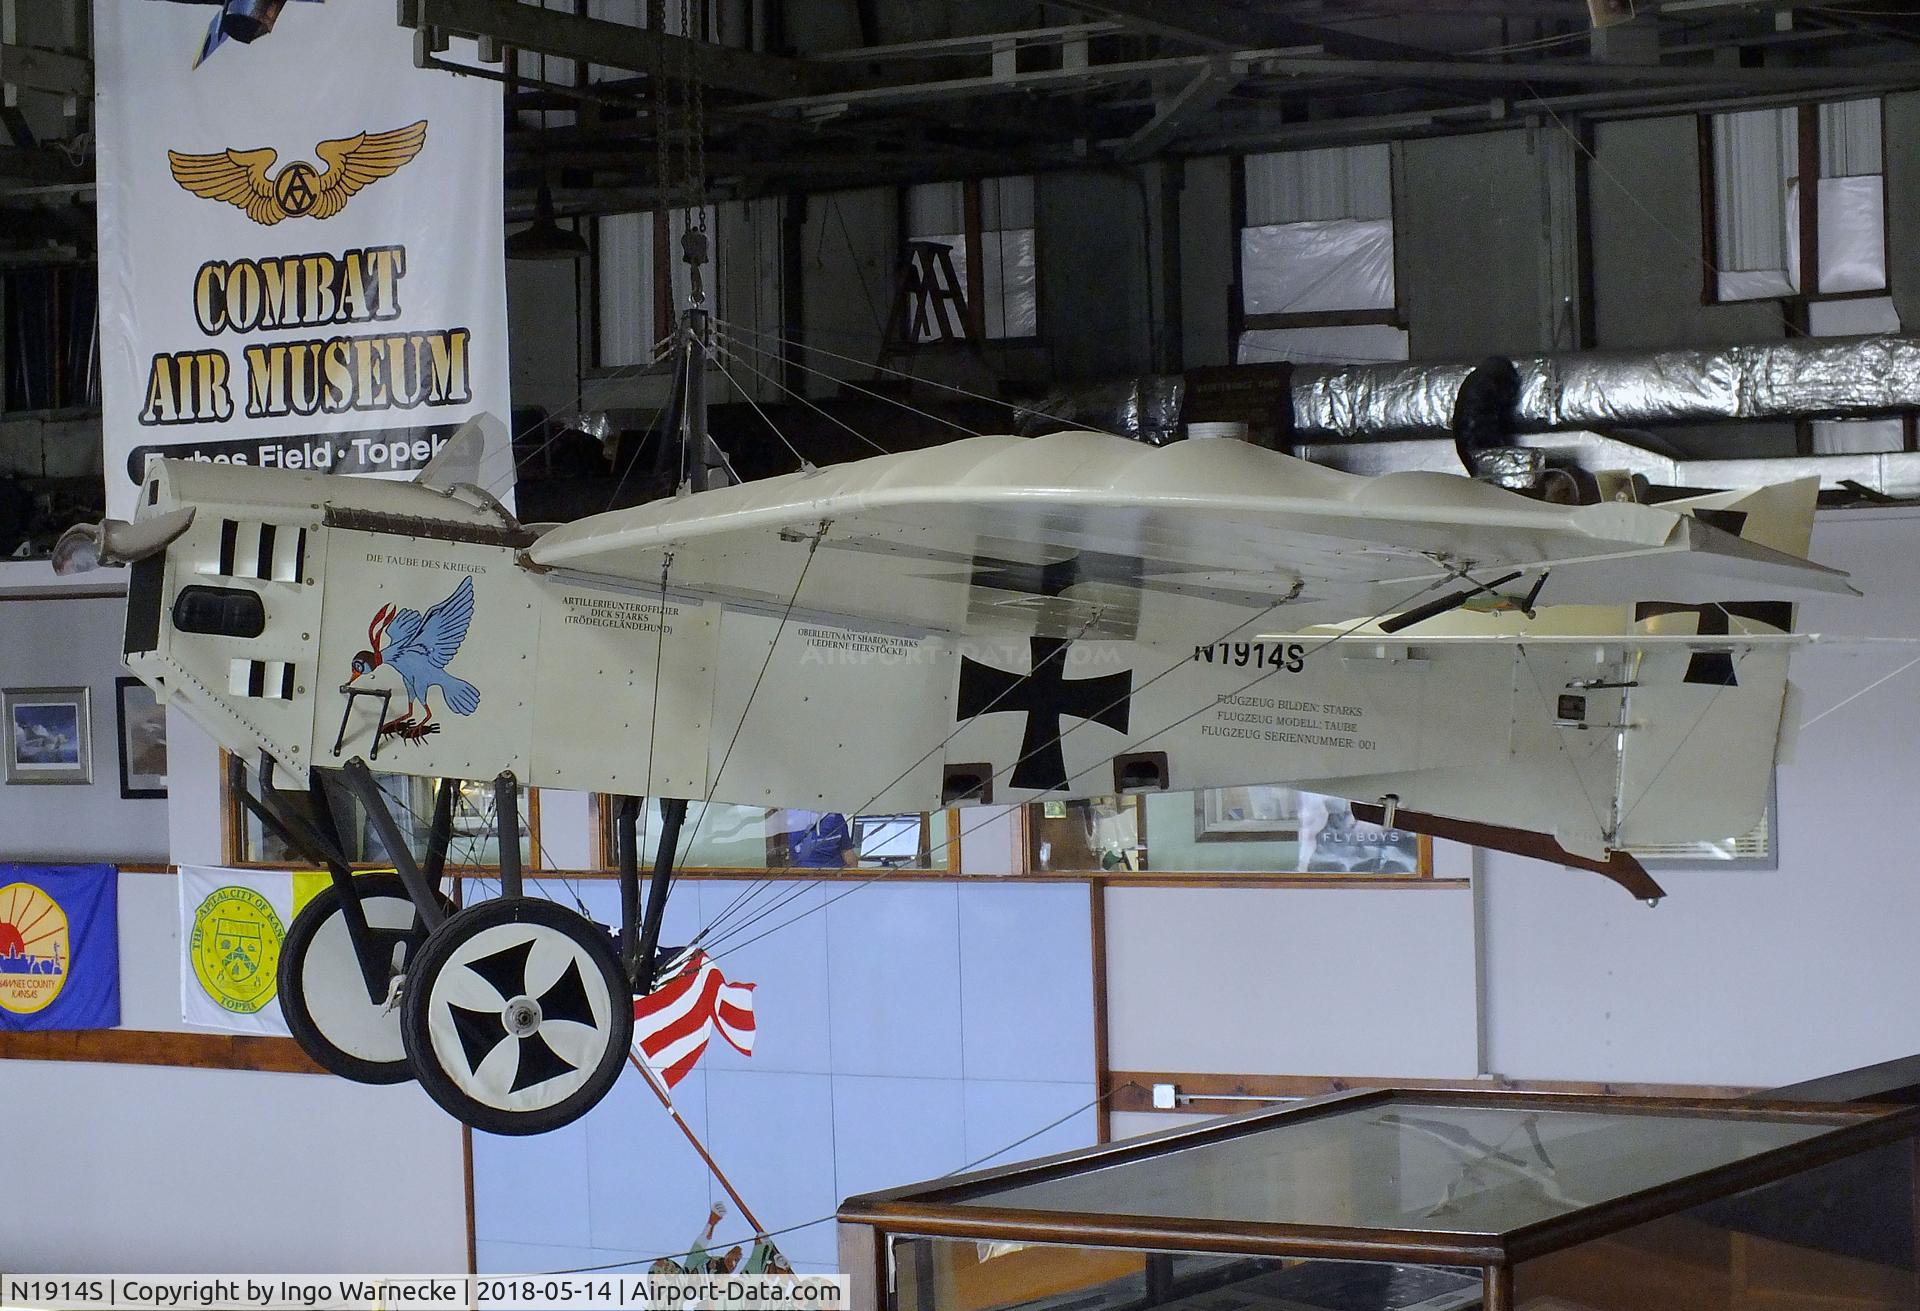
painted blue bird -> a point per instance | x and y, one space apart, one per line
417 647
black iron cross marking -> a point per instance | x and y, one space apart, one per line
1716 668
1055 577
1044 696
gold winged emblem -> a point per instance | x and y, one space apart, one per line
239 177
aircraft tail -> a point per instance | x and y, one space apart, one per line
1715 735
1636 726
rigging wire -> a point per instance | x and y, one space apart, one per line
1131 746
806 465
727 339
718 1246
813 548
802 397
575 407
1681 742
1559 740
1060 654
1015 406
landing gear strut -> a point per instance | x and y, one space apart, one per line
515 1014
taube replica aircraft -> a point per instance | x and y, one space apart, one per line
992 621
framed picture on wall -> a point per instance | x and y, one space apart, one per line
143 740
49 734
1246 814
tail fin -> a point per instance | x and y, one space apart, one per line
1715 734
1779 516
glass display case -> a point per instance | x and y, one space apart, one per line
1400 1200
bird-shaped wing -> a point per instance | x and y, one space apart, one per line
238 177
435 635
353 162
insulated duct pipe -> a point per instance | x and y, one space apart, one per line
1823 377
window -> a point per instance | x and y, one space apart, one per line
1761 219
1238 830
49 338
476 835
1316 258
1760 225
1753 849
726 838
641 282
989 227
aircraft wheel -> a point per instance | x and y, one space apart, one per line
323 995
517 1015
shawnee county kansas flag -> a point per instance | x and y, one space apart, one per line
232 922
59 947
672 1024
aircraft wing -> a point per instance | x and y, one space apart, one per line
998 620
1083 534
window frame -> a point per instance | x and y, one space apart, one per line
973 263
602 809
1239 322
1807 231
233 843
1425 877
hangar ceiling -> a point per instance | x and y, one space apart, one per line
832 93
816 94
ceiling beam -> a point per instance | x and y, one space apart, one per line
1228 27
51 71
593 40
1208 88
1283 65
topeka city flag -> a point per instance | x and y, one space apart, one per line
302 262
59 947
232 922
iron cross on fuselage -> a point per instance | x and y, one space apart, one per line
1046 695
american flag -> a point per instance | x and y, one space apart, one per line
672 1024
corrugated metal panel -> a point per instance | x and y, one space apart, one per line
938 209
1754 153
935 210
1293 186
623 285
1006 204
1850 138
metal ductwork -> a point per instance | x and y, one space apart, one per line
1894 474
1826 377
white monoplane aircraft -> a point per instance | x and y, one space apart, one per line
991 621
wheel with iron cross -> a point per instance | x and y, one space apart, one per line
517 1015
348 1025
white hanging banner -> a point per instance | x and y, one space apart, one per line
301 259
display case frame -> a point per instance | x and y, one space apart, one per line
942 1209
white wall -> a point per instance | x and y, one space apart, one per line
148 1168
64 642
151 1168
1317 981
1745 977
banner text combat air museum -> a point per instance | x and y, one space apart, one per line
372 371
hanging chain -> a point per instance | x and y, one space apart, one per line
663 166
694 95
